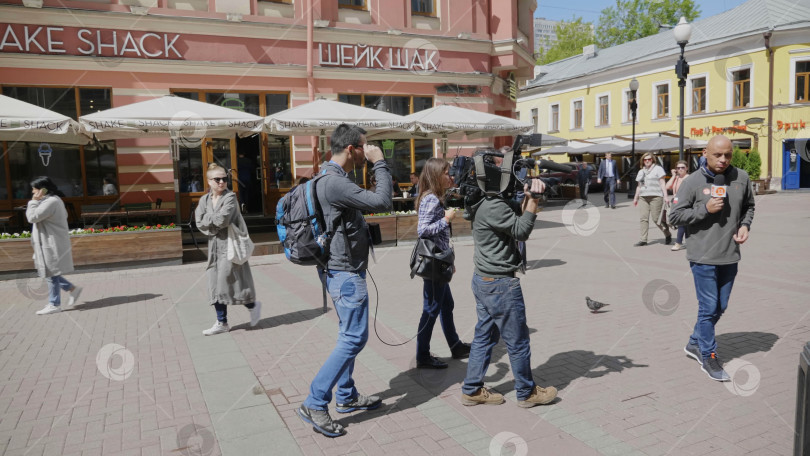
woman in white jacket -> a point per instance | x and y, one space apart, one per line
50 238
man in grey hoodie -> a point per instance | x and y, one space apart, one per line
343 202
716 226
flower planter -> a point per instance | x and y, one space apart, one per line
388 225
406 227
119 248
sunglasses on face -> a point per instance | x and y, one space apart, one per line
681 167
648 159
219 180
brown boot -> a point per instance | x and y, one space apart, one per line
539 396
482 396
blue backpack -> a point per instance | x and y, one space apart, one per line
301 226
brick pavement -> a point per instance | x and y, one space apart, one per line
626 386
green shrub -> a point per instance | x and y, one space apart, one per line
738 158
754 165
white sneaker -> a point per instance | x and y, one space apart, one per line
74 296
255 313
218 328
49 309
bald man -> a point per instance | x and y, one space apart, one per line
716 227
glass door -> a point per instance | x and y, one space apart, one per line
221 152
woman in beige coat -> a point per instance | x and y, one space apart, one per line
228 283
50 238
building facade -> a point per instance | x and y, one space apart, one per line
748 79
544 29
257 56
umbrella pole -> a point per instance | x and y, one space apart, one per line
175 148
443 146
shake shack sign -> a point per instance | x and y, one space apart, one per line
51 40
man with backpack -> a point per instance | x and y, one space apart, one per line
342 203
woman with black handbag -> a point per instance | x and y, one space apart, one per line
434 224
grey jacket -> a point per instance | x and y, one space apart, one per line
50 236
339 195
711 235
496 226
228 283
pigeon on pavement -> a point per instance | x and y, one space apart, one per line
594 305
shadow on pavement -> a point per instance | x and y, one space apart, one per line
563 368
286 319
537 264
114 301
738 344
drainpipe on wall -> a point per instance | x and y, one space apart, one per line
767 36
311 81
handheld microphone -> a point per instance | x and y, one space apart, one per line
548 164
719 188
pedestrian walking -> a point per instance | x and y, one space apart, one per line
680 173
717 221
50 237
434 224
496 224
343 203
607 172
584 181
228 283
650 198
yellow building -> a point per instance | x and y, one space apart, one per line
749 79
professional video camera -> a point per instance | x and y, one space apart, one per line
480 175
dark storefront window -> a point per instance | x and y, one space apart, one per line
99 165
278 147
191 169
61 162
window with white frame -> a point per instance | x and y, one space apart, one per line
662 101
353 4
576 113
554 118
603 110
423 7
802 91
627 108
534 118
741 90
698 95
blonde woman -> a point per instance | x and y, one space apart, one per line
434 224
680 173
650 194
228 283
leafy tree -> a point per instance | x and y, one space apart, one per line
738 158
572 36
754 164
633 19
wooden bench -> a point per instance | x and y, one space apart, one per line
98 212
5 220
145 211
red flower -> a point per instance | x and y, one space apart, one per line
158 225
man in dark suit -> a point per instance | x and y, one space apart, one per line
607 173
584 181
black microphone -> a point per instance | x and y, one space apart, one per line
559 167
719 188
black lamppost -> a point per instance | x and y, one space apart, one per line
631 188
682 32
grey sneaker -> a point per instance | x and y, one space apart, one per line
714 369
321 421
359 403
693 351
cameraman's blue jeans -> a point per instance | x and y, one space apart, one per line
501 311
350 295
713 286
438 302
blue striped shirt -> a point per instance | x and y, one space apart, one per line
432 224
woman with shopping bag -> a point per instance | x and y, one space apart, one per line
230 281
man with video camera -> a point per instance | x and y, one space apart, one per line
498 223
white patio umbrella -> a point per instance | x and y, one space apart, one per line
447 121
173 117
21 121
663 144
320 117
170 116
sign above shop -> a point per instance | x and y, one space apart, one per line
39 39
420 58
715 130
799 125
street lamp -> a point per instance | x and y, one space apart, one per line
682 32
633 106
